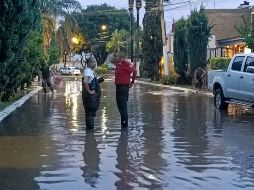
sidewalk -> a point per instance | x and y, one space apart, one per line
185 89
7 107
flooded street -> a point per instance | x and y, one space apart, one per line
175 140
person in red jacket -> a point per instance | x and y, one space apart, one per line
125 74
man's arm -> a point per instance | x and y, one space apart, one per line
134 74
52 73
86 86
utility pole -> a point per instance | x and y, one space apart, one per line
131 2
163 31
138 6
65 58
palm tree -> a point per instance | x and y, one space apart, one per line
67 29
59 7
51 9
48 24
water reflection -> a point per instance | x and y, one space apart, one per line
91 157
175 140
190 135
72 93
152 146
126 174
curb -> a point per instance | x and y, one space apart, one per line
175 88
8 110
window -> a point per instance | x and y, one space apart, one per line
237 63
248 63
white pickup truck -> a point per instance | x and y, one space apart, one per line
236 85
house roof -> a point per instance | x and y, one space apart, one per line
224 21
230 41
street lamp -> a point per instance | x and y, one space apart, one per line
75 40
104 27
79 41
131 3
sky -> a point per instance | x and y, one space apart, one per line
173 12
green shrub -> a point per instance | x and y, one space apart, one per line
104 66
219 63
101 70
170 80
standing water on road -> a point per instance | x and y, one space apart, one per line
175 140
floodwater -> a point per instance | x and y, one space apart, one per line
175 140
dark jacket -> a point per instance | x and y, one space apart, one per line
92 101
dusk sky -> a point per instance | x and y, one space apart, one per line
174 12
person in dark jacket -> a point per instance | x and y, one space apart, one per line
125 74
91 92
199 76
45 73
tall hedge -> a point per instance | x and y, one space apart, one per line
181 49
198 34
17 19
152 42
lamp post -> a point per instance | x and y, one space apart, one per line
131 3
65 58
79 42
138 6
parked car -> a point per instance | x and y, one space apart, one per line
236 85
70 71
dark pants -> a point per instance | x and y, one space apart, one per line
89 111
199 83
46 82
122 96
91 105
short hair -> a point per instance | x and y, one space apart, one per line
91 61
119 54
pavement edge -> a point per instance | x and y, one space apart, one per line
8 110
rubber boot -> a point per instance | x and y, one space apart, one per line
52 90
44 89
89 122
124 121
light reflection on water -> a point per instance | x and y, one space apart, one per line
175 141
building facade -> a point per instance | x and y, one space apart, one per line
225 39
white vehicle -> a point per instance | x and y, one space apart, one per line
70 71
236 85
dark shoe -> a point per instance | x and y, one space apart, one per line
124 122
124 125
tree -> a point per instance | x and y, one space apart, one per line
152 42
58 7
48 25
33 60
67 30
198 33
51 9
53 52
17 19
91 20
117 42
180 49
247 33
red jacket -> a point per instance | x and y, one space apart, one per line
123 72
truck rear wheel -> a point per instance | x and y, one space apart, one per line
219 100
